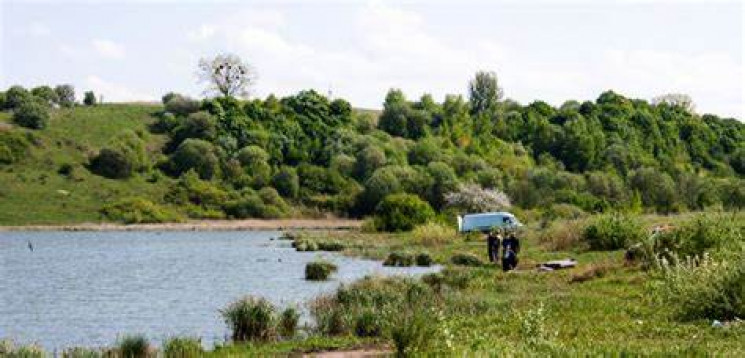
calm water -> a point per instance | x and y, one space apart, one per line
86 288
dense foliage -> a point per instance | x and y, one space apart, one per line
611 154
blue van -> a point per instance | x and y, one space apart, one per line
484 222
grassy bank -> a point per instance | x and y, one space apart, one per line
604 306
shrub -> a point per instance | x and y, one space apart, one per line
412 331
46 94
112 163
286 182
13 146
368 324
475 199
402 212
252 154
319 270
31 114
613 232
466 259
195 154
399 259
136 346
250 319
199 125
138 210
65 95
563 235
331 245
423 259
180 105
89 98
288 322
703 288
16 96
433 234
704 233
124 155
178 347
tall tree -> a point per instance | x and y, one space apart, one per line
227 75
484 92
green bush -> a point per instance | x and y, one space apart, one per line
138 210
402 212
180 105
179 347
199 125
368 324
331 245
319 270
399 259
13 146
423 259
89 98
16 96
613 232
31 114
250 319
701 234
288 322
704 288
124 155
136 346
197 155
286 182
466 259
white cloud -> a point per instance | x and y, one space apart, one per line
38 29
204 32
113 92
108 49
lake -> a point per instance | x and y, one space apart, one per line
89 288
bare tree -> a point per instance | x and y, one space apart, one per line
226 75
676 99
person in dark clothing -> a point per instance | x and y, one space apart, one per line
510 249
493 240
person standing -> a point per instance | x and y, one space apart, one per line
493 240
510 249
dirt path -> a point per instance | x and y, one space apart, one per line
203 225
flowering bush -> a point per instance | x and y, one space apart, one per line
474 198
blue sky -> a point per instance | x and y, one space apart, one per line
549 50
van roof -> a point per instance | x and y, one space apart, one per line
495 213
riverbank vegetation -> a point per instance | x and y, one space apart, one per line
662 299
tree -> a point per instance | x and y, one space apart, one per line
89 98
286 182
45 93
227 75
676 99
32 114
473 198
65 95
195 154
402 212
484 92
15 96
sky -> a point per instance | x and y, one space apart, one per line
357 50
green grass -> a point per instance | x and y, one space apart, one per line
34 193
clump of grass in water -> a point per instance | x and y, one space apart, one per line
399 259
319 270
423 259
288 322
183 347
466 259
135 346
81 352
250 319
9 349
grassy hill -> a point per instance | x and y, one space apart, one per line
34 192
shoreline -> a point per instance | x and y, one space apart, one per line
202 225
